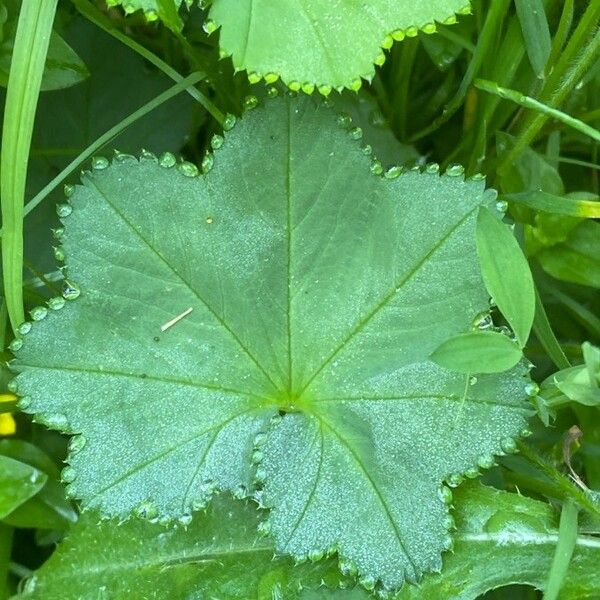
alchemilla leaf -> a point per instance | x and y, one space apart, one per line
321 44
266 329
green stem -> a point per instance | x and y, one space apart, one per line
492 87
544 333
24 83
569 489
109 135
567 538
95 16
6 539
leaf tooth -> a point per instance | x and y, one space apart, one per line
146 155
146 510
23 403
455 170
486 462
59 253
454 479
449 522
264 528
68 474
508 445
472 473
185 520
122 157
209 26
347 567
445 495
99 163
368 582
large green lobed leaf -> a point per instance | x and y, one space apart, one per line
318 292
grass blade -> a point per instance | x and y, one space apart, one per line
567 537
536 33
544 333
112 133
24 82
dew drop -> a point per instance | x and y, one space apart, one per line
478 177
344 120
445 494
367 582
271 78
294 85
428 28
264 528
455 479
308 88
167 160
393 172
367 150
455 170
63 209
24 328
56 303
356 133
59 253
229 122
70 291
379 59
483 321
99 163
254 77
68 475
272 92
261 475
501 206
15 346
398 35
209 220
472 473
325 90
188 169
432 168
146 155
12 384
356 85
250 102
77 443
486 462
68 190
185 520
388 42
376 168
146 510
347 568
58 233
216 141
532 389
508 445
24 403
38 313
209 26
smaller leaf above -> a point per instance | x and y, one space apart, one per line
506 273
321 43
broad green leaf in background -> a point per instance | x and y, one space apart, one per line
577 259
63 66
219 555
18 483
501 538
322 43
506 273
48 508
317 293
478 352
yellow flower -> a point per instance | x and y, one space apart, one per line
7 422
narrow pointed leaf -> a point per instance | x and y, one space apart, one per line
298 284
478 352
536 33
506 273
